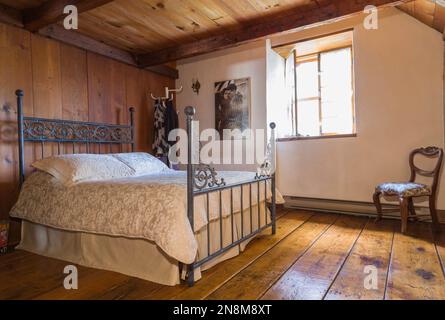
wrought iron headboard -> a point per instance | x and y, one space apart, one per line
66 131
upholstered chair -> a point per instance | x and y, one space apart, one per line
406 191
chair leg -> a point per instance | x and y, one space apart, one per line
412 210
378 205
433 212
404 212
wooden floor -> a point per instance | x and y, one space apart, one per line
312 256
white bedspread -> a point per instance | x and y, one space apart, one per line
152 207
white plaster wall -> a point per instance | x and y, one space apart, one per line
399 106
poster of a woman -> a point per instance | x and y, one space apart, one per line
232 105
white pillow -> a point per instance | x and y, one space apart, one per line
142 163
74 168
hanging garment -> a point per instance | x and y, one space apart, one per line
171 120
160 144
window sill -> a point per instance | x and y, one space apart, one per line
334 136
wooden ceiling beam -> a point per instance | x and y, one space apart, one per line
79 40
164 70
439 18
11 16
299 17
52 12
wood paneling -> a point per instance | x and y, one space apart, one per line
15 72
74 69
46 76
61 81
76 39
47 85
106 90
74 81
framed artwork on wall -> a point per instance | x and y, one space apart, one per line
232 105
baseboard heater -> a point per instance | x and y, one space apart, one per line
359 208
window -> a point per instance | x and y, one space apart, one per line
324 93
319 86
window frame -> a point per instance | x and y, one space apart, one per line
295 107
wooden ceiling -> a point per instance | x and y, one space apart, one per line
142 26
158 31
430 12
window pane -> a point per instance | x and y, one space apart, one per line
336 91
308 118
307 79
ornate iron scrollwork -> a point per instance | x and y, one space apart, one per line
267 168
205 176
73 131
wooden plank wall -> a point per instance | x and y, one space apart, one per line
61 81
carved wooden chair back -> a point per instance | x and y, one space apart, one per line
430 152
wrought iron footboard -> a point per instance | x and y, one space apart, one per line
202 180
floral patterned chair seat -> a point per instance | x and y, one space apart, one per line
404 189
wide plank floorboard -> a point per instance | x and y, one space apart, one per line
312 256
440 247
373 248
223 272
252 282
29 276
311 275
415 271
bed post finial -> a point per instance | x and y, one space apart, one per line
132 110
19 93
189 111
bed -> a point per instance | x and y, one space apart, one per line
142 219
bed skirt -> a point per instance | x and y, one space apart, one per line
134 257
